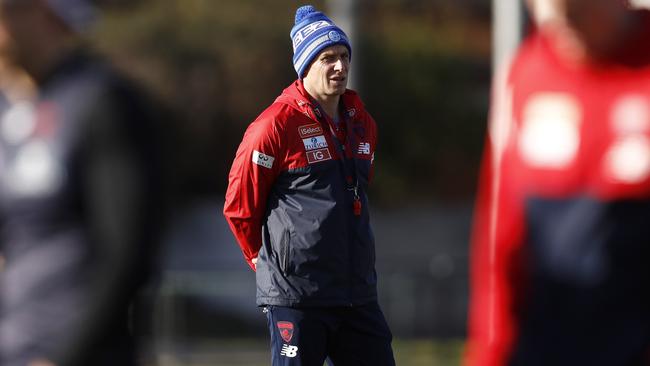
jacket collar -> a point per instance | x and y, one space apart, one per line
297 97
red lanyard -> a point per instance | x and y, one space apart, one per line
340 135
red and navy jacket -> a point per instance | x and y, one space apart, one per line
560 270
291 202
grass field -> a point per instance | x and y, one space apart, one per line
254 352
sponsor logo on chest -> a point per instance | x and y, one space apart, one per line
364 148
314 143
310 130
315 156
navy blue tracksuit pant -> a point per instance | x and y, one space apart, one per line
347 336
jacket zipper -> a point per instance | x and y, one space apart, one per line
284 251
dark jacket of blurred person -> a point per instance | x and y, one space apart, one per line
79 191
561 240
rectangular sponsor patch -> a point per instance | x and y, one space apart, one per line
316 142
310 130
262 159
318 155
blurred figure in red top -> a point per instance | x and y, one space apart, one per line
561 238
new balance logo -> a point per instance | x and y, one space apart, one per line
289 351
364 148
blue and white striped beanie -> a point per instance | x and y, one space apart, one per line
313 31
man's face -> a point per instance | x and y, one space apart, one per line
328 75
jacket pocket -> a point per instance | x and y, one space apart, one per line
285 243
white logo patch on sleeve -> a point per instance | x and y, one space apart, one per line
262 159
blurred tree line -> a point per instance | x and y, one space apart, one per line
422 68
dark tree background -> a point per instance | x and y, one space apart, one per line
423 71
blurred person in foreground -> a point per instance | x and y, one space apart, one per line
297 205
79 191
561 240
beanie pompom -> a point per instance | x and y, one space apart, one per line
304 12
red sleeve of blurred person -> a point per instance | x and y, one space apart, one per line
496 238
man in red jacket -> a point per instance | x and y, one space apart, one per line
297 205
561 240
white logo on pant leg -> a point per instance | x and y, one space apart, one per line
289 351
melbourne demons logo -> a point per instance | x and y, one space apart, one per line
286 330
